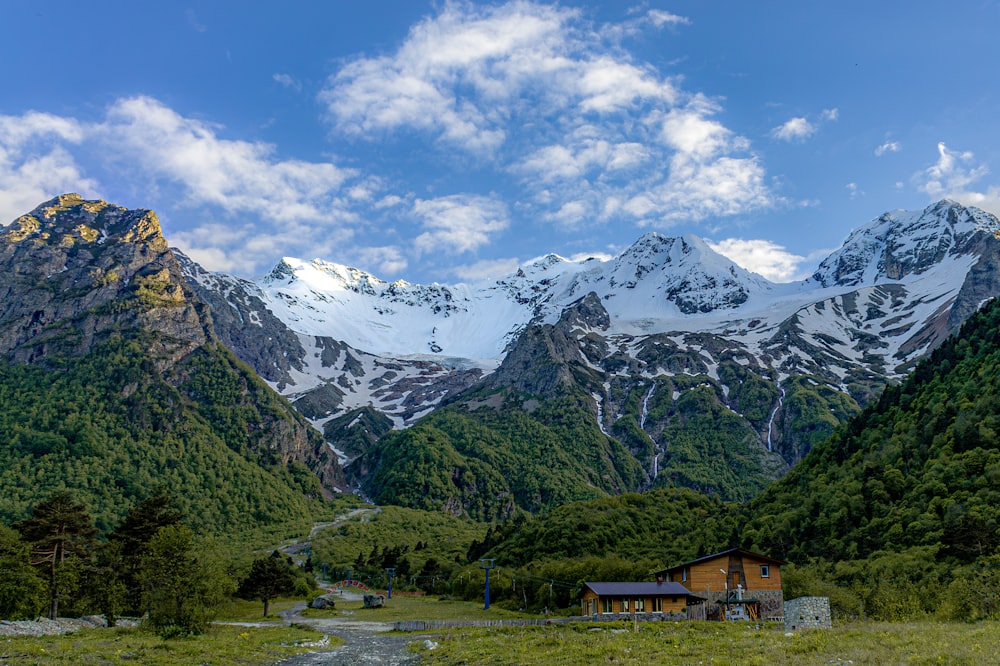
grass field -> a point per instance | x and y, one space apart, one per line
220 646
719 644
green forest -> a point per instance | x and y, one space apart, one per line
111 428
151 564
894 516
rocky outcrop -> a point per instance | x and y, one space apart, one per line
551 360
243 322
74 272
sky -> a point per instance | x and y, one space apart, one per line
450 141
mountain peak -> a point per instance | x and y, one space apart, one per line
70 220
76 271
901 243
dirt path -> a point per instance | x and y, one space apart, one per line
366 642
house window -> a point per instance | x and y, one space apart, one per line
765 571
684 575
625 606
640 605
607 605
657 605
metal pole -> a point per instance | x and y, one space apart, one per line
487 564
391 571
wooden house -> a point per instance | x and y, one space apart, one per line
616 599
736 583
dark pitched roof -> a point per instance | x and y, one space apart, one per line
757 556
640 589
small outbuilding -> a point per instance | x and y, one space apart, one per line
807 613
659 599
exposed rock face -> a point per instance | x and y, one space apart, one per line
244 323
75 271
548 359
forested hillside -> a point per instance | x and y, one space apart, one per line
488 458
667 526
113 383
111 430
919 467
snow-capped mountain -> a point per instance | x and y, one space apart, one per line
665 306
655 282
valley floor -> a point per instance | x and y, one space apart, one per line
720 644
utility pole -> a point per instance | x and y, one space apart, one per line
486 564
390 571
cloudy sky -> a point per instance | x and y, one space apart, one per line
451 141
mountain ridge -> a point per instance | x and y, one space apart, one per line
134 383
652 350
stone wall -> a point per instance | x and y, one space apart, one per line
807 613
772 606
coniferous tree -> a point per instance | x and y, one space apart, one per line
132 537
60 532
269 578
22 589
182 588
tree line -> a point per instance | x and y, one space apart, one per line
151 565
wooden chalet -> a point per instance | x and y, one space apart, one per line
660 598
736 583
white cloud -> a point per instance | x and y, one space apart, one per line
453 75
238 176
284 203
801 128
769 259
36 164
486 269
288 81
660 18
537 91
888 147
458 223
386 260
794 129
853 190
951 176
584 256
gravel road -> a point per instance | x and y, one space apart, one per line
366 642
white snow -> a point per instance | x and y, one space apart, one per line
867 300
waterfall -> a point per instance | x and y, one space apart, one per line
774 412
645 406
642 426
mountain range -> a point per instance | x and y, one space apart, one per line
666 365
785 362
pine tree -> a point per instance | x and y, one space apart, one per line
22 590
132 537
269 578
60 531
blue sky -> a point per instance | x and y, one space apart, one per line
450 141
